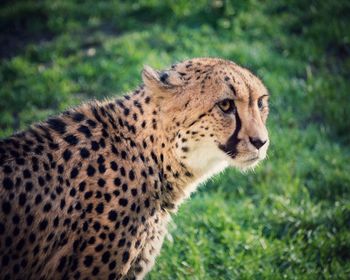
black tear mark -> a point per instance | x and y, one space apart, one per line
231 145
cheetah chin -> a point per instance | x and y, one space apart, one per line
89 193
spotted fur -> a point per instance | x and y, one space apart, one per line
88 194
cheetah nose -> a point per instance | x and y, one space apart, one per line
257 142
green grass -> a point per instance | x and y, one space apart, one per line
290 218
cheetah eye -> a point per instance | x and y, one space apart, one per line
227 106
260 103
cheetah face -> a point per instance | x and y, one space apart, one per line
216 111
248 143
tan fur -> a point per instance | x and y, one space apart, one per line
89 193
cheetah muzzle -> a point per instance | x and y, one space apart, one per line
89 193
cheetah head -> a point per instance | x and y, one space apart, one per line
213 111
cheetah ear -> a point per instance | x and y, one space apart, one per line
161 83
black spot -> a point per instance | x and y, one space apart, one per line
71 139
124 155
99 248
105 257
62 203
77 117
53 146
114 166
41 181
26 174
92 240
125 221
123 202
101 182
112 265
147 203
60 168
100 159
85 130
57 125
72 192
126 256
122 171
19 246
95 271
99 208
67 154
87 195
8 241
88 260
117 181
94 145
43 225
2 228
90 171
32 238
22 199
114 150
91 123
7 169
131 175
107 197
62 264
121 242
134 192
47 207
144 187
84 153
112 215
98 194
82 186
28 186
102 143
74 173
143 173
20 161
38 199
154 157
15 219
102 168
6 207
7 183
29 220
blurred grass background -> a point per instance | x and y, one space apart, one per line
290 219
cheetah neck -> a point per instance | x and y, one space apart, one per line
143 123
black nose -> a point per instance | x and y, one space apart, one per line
257 143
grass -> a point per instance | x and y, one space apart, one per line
289 219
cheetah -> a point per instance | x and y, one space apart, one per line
88 194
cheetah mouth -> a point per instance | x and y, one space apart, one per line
252 159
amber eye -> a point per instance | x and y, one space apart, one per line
227 106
